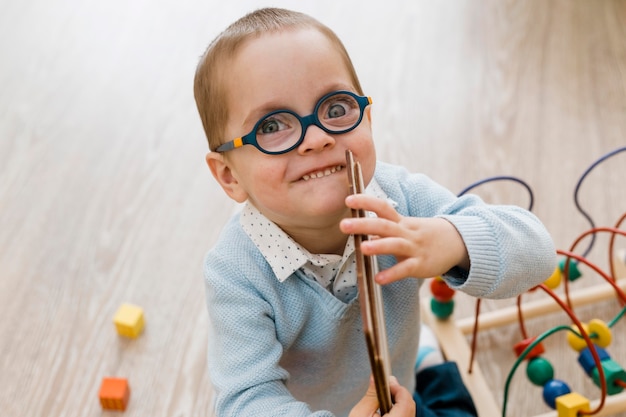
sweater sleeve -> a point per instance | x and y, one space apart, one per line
244 353
510 250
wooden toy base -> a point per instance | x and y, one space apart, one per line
452 338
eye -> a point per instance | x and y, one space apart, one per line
337 110
273 124
269 126
338 107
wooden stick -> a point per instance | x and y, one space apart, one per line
370 298
532 309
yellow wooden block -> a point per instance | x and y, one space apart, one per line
569 405
129 320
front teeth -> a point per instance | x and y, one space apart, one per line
320 174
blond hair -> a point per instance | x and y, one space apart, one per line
209 89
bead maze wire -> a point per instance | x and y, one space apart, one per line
568 268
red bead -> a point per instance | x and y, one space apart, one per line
440 290
521 346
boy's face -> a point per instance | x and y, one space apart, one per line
290 70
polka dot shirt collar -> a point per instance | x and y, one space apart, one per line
284 255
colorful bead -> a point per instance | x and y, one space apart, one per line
521 346
554 389
600 333
539 371
440 290
554 280
569 405
441 310
612 372
577 342
585 359
573 271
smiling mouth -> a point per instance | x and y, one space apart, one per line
323 173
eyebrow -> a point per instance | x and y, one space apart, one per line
255 115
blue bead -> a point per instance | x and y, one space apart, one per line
554 389
585 359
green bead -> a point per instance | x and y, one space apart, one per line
441 310
573 271
539 371
612 372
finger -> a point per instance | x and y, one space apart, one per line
404 405
382 208
399 247
368 405
408 268
373 226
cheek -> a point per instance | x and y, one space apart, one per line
366 154
265 175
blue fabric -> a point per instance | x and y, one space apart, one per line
440 392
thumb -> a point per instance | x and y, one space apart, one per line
368 405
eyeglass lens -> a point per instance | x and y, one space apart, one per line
337 113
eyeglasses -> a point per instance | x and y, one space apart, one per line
281 131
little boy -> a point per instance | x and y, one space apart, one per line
281 103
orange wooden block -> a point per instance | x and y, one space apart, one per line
114 393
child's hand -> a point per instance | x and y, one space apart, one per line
403 403
424 247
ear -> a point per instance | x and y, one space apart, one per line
368 113
226 176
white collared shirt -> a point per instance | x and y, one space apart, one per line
334 272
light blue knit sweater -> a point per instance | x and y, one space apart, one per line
293 349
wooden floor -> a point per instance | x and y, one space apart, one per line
105 198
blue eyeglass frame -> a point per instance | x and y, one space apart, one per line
305 122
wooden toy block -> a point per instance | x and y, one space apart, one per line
114 393
129 320
569 405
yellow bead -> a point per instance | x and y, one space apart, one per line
600 332
569 405
554 280
577 342
129 320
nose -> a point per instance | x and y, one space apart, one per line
315 139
